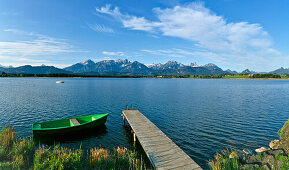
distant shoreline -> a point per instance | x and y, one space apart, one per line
139 75
144 77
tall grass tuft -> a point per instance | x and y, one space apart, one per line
119 158
16 153
23 153
222 161
7 139
58 158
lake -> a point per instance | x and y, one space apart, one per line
202 116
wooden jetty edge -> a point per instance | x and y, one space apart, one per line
162 152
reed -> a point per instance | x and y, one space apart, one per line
120 158
58 158
7 139
22 153
14 153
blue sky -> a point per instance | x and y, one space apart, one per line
233 34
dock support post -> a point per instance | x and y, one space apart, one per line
134 138
131 107
123 120
126 107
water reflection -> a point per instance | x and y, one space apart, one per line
70 137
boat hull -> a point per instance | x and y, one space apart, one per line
72 129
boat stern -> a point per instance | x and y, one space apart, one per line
36 126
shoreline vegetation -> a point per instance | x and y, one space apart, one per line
274 157
22 153
227 76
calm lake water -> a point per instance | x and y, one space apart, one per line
202 116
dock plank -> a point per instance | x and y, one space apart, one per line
160 149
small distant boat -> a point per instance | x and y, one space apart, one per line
60 82
69 125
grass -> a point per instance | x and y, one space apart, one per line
284 136
284 160
236 76
284 132
17 153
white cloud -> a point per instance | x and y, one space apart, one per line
129 21
39 45
118 53
20 61
33 48
9 13
34 51
101 28
167 53
106 10
197 23
180 53
227 42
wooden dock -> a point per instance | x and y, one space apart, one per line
162 152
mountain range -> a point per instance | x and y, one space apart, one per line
28 69
125 67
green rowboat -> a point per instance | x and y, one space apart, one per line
69 125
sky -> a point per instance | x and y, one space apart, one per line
233 34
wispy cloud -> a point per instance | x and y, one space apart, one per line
168 53
129 21
36 50
39 45
232 42
9 13
101 28
22 59
111 53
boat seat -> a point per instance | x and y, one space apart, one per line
74 122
